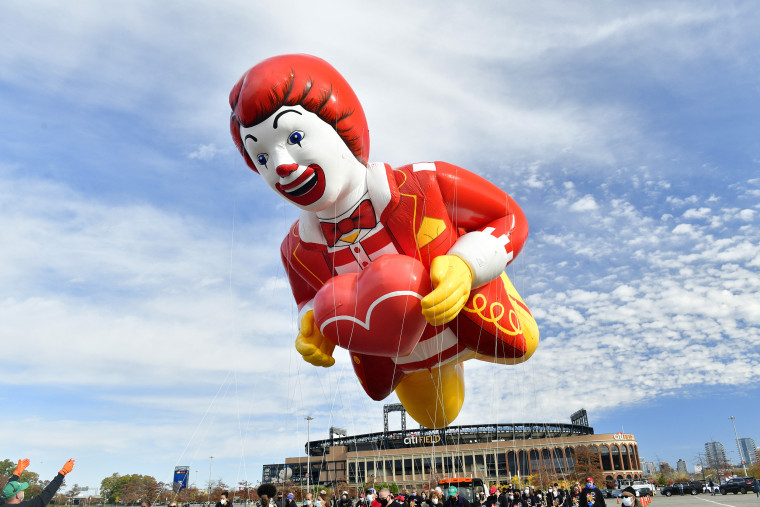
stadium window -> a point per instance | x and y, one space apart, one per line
490 465
546 458
570 458
606 463
501 461
559 461
512 462
535 463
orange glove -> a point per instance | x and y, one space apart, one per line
67 467
22 464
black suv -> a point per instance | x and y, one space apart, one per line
738 485
689 488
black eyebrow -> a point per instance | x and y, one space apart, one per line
274 125
249 135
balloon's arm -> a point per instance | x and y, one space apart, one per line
315 348
495 226
452 282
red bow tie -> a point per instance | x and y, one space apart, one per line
362 218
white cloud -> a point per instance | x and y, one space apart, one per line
697 213
205 152
684 229
585 203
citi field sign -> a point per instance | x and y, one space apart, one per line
622 436
417 440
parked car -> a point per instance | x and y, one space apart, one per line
613 493
707 489
689 488
738 485
643 489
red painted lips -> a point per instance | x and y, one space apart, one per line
307 188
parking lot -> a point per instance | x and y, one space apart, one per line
703 500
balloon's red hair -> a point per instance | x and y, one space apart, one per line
304 80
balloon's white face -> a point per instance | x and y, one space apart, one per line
302 158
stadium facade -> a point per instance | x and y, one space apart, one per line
494 452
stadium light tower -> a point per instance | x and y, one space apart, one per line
308 452
738 447
210 463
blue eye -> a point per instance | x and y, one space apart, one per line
262 158
295 137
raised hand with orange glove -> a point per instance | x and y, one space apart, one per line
67 467
22 464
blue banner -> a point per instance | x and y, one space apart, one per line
180 478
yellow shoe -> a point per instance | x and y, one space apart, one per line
433 397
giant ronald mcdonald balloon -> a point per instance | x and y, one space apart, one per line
403 267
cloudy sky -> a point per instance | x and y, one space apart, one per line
144 315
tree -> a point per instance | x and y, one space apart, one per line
754 469
131 488
111 488
544 476
245 488
74 491
587 464
217 488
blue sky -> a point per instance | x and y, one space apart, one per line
145 317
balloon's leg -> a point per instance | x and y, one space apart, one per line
433 397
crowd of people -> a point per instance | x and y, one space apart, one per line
587 495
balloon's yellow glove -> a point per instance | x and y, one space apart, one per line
315 348
452 281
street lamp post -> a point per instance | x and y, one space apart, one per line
738 447
210 463
308 454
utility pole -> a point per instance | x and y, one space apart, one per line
210 463
738 448
308 453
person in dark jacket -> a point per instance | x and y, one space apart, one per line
224 501
13 492
344 501
591 496
493 497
